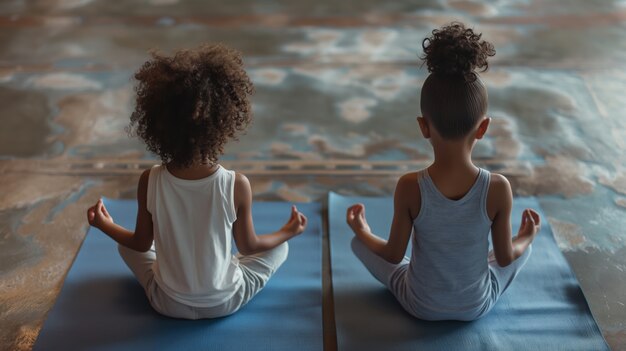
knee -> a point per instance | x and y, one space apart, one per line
282 251
357 246
123 250
285 248
362 252
526 254
125 253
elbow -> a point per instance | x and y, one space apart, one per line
390 254
393 258
246 251
247 248
505 261
143 247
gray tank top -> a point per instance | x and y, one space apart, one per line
449 272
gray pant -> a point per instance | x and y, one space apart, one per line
393 276
257 270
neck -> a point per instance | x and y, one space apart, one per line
196 171
453 156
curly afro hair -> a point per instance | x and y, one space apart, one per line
456 50
190 104
453 97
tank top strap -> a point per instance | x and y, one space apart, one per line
484 179
152 185
421 178
426 185
424 197
228 188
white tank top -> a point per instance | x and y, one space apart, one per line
193 222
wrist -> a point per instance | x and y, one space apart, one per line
287 232
105 226
362 233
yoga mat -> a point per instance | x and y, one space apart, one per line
543 309
102 307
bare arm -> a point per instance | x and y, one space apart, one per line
243 229
405 198
500 199
141 239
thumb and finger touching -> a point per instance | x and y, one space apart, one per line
530 222
303 220
536 218
104 211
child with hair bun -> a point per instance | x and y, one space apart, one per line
453 205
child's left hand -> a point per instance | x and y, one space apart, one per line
98 216
356 219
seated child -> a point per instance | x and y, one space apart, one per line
188 106
451 206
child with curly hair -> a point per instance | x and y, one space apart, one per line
449 208
188 106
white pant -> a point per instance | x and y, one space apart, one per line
257 270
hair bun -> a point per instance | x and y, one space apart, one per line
456 50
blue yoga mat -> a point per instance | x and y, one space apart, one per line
102 307
543 309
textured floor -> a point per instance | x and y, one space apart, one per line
337 93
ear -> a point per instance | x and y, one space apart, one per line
424 127
482 127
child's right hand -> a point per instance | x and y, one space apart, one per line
98 216
296 223
531 223
355 217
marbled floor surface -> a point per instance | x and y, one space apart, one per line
337 95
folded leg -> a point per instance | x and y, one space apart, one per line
505 275
258 269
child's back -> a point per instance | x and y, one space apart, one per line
451 231
193 223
